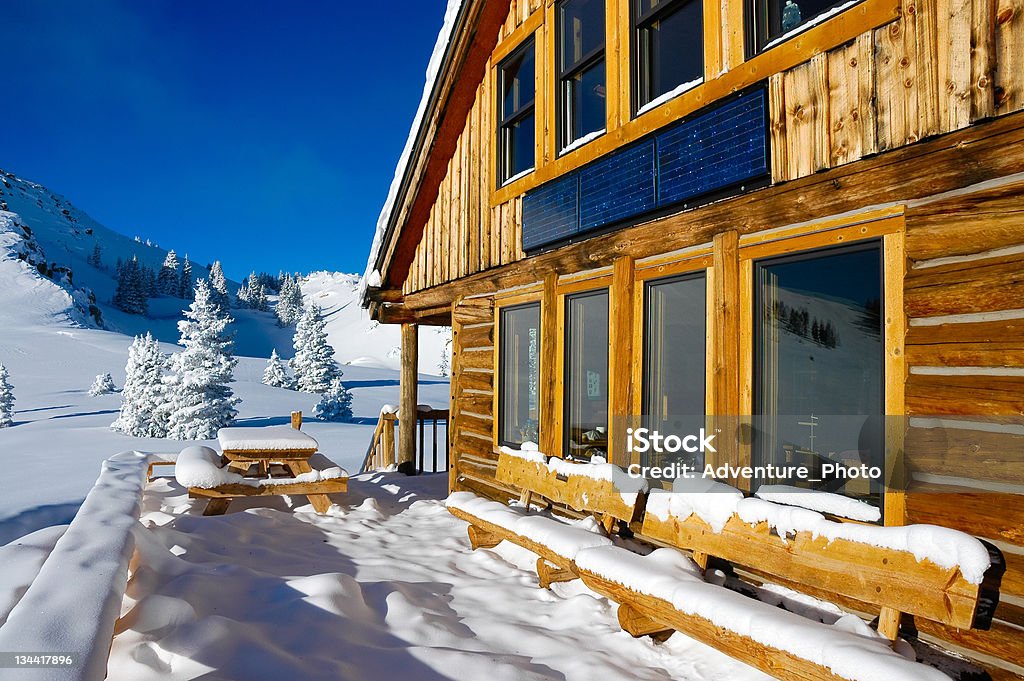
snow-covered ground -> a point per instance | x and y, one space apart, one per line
385 587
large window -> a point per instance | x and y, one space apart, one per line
771 21
819 352
675 332
586 374
669 43
517 131
519 375
581 70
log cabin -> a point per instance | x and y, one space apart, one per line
799 223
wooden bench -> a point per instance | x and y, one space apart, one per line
583 487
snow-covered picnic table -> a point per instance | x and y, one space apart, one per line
281 457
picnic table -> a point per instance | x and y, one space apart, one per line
273 460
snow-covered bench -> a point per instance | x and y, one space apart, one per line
202 471
583 487
923 570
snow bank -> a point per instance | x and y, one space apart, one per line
851 650
76 598
825 502
264 438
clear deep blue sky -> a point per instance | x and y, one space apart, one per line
264 134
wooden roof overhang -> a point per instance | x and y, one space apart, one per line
473 39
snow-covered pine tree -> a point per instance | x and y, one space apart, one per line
6 399
290 303
335 404
258 298
130 295
313 363
218 286
143 391
242 296
185 280
103 385
167 281
276 374
200 401
149 279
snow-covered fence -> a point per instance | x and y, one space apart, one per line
74 602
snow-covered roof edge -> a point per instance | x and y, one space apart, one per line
371 277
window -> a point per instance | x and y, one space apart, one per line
581 70
586 379
819 377
675 327
771 21
516 132
669 44
519 377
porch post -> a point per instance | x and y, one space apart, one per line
407 400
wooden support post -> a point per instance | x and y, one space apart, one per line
525 497
548 574
297 420
637 624
217 506
407 400
482 539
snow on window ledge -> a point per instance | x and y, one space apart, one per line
825 16
518 176
671 94
589 137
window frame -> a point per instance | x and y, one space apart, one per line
504 174
637 23
755 25
499 369
590 288
563 77
876 243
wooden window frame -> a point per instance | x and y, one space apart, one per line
527 296
755 26
690 263
886 225
637 59
504 123
501 372
563 76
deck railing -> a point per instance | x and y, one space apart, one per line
432 442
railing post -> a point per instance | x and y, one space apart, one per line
297 420
407 400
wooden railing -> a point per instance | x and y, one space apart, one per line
383 449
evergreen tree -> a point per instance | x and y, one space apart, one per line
313 364
96 259
290 302
143 391
276 374
258 298
6 399
149 281
168 282
103 385
335 404
130 295
242 296
219 287
185 281
200 401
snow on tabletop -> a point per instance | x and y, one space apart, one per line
825 502
267 438
73 602
850 649
199 466
945 547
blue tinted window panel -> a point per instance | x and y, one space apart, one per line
715 150
618 187
550 213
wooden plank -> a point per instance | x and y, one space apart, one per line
966 286
1009 48
497 530
807 117
967 453
477 336
895 71
994 515
777 128
983 59
407 401
966 224
851 105
923 15
725 361
1008 332
1001 641
883 577
231 491
953 38
773 661
620 370
989 354
965 395
478 380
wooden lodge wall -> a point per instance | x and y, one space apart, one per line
941 66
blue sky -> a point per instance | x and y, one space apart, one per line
263 134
